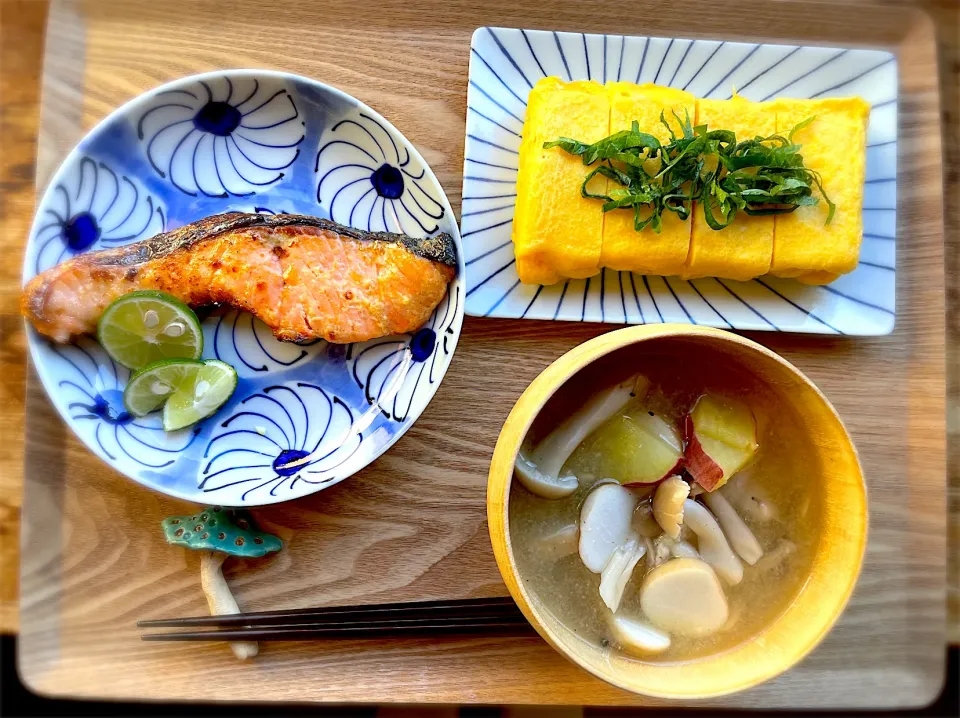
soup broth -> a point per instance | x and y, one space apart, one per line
775 495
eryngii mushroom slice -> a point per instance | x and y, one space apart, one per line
668 505
636 636
711 543
737 532
539 471
219 533
605 524
618 570
683 597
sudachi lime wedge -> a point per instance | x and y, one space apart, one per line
189 390
199 394
150 387
147 326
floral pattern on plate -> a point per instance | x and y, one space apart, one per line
222 136
242 141
365 182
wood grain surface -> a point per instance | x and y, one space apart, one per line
22 24
412 525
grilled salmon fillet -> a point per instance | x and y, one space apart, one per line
304 277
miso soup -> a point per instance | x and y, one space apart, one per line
659 515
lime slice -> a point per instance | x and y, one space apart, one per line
146 326
200 394
150 387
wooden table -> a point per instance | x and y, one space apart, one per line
21 42
22 25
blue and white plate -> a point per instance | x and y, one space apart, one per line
250 141
504 66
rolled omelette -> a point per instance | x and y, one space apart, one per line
556 232
744 249
624 248
834 145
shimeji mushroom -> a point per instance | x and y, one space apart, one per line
665 548
668 505
643 521
738 533
543 485
219 533
540 471
618 570
711 542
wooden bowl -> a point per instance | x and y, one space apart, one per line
836 561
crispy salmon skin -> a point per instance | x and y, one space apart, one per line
304 277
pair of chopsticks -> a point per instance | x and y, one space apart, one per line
474 616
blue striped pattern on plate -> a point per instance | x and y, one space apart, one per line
504 66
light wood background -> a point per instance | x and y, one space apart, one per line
412 525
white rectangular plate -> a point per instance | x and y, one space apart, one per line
504 66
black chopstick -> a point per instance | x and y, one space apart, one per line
378 623
474 608
511 628
462 617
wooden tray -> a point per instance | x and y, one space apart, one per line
412 525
